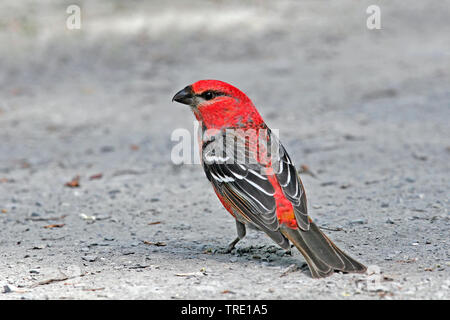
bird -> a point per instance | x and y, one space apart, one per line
254 177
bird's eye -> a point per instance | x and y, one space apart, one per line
208 95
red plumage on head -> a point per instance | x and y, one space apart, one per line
233 109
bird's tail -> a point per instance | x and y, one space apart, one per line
321 254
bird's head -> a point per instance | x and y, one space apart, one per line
219 104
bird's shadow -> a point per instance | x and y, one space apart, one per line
266 255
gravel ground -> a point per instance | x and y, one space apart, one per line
366 110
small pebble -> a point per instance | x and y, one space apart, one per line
89 258
390 257
358 221
390 221
271 249
107 149
328 183
103 217
280 253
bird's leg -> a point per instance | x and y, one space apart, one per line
240 228
231 246
289 251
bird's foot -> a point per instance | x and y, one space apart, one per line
231 246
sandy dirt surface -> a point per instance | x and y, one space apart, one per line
367 111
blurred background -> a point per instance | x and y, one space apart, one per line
296 59
367 111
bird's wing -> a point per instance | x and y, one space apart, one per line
240 179
290 183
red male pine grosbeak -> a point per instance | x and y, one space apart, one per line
254 177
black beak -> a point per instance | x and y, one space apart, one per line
185 96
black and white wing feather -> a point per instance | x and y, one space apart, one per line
290 183
240 179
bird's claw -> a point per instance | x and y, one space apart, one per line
231 246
